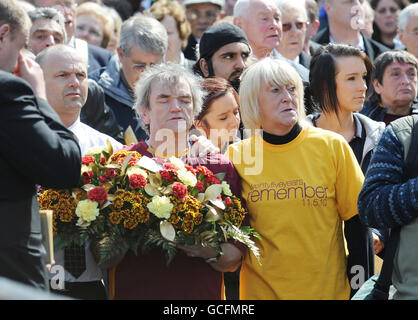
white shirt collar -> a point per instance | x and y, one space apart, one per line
359 45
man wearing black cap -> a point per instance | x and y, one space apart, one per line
223 52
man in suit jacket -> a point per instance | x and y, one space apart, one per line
344 24
36 149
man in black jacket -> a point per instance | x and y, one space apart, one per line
36 149
345 22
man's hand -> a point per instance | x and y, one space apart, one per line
202 146
30 71
378 244
229 261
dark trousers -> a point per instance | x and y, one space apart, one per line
93 290
231 282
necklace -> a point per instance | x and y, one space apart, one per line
157 154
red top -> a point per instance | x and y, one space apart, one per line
186 278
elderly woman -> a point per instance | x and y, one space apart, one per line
168 98
300 184
219 119
93 24
395 87
173 16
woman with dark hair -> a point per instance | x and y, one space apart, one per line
339 78
395 87
219 119
386 21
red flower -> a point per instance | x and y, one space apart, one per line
212 180
169 166
228 201
111 173
97 194
179 190
137 181
86 160
87 177
205 171
102 160
190 168
102 179
199 186
166 175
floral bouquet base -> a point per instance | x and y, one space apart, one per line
127 201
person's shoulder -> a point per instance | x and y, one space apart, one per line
12 86
237 146
322 37
97 135
316 136
7 78
378 47
99 51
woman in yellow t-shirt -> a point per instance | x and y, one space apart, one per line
299 183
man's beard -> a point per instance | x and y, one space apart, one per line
233 79
235 83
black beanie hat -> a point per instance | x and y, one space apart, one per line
219 35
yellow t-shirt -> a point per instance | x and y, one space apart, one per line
297 195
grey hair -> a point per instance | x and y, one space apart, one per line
240 8
46 13
144 32
283 5
169 75
406 14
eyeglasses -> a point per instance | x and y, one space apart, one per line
288 26
209 14
391 10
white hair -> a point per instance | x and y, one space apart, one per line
406 14
241 7
283 5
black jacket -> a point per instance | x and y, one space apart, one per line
36 149
377 113
189 51
372 48
97 114
98 58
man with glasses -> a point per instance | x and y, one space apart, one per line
294 26
201 14
143 42
345 20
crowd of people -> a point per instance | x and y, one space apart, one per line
304 105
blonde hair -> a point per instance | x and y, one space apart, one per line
162 8
98 12
269 71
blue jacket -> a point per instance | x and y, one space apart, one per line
119 99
